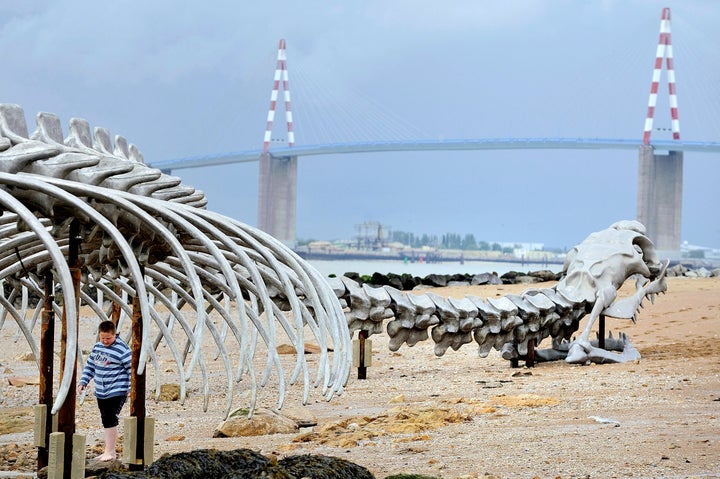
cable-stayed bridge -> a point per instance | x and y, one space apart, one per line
659 182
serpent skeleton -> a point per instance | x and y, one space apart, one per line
593 273
147 240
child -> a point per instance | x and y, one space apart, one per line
109 364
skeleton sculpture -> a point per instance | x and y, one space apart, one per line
146 236
594 271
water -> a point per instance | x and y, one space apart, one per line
368 267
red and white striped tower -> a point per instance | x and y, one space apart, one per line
277 177
664 50
659 205
281 73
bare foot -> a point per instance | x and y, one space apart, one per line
105 457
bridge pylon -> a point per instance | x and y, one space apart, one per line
660 176
278 176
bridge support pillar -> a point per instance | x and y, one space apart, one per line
659 203
277 197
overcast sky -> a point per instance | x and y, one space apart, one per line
183 78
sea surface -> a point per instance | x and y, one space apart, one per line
368 267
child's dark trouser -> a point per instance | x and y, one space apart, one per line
110 410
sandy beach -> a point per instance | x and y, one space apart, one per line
461 416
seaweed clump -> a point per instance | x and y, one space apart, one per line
243 464
207 463
323 467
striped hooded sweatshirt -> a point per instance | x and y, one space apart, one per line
109 366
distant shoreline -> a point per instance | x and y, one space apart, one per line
436 259
359 256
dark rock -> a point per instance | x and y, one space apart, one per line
409 281
437 280
677 270
545 275
526 279
485 278
378 279
354 276
459 278
395 280
509 277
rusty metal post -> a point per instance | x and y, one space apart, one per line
362 369
66 414
137 382
601 332
116 310
47 340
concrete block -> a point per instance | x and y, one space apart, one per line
56 455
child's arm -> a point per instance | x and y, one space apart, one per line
88 372
127 358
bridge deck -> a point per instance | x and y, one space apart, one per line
435 145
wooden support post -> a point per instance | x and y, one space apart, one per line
66 414
362 354
530 360
601 331
137 382
47 341
362 369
